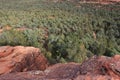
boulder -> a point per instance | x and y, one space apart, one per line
101 68
63 71
19 59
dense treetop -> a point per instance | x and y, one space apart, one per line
65 31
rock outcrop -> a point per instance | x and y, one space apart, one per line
59 71
19 59
95 68
100 68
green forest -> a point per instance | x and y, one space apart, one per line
64 31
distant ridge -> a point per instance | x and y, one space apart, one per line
101 1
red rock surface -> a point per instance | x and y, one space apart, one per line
95 68
66 71
19 58
100 68
63 71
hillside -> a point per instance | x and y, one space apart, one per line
65 31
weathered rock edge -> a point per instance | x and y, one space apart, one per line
21 59
95 68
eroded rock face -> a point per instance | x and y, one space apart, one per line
19 59
59 71
101 66
29 58
62 71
